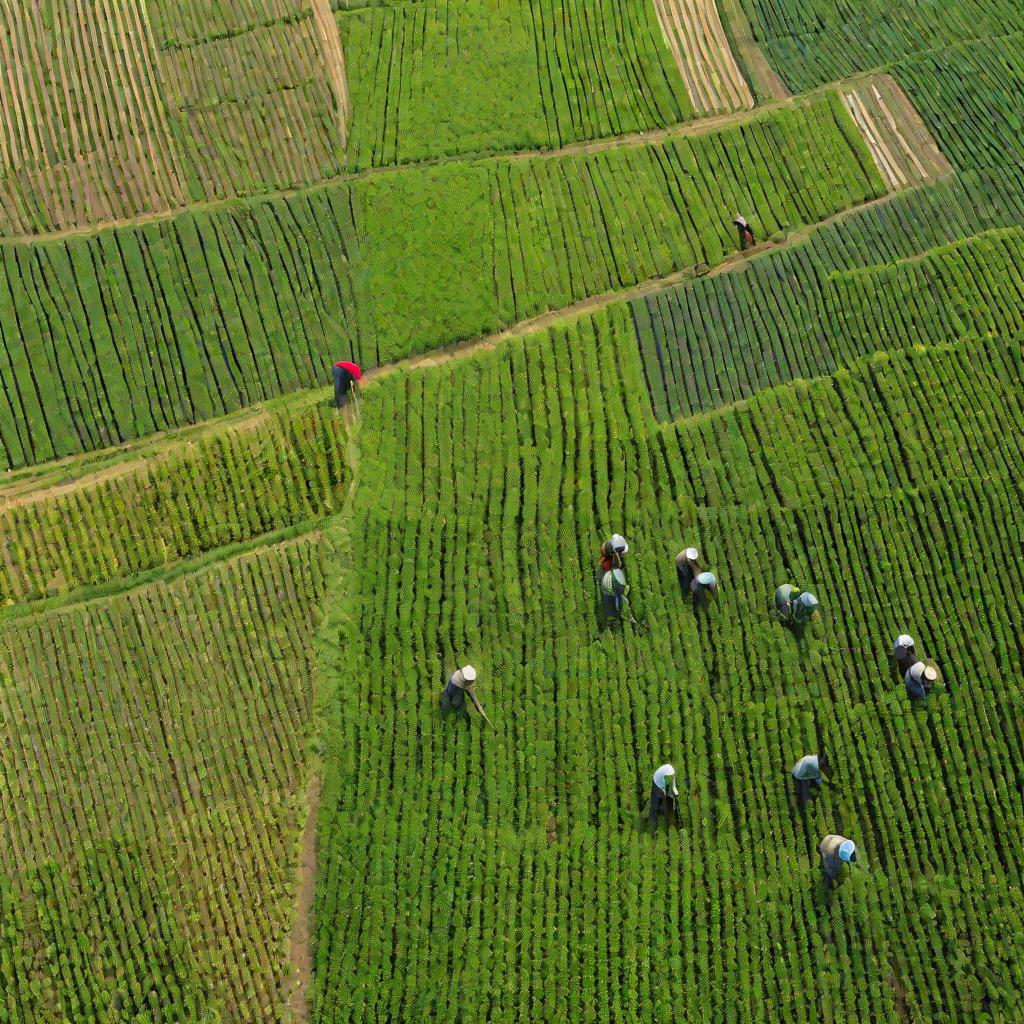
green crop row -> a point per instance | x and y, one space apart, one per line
281 470
787 315
971 287
116 335
523 841
153 745
556 71
810 43
864 430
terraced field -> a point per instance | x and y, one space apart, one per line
230 789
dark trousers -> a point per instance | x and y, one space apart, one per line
685 574
455 695
661 804
342 385
803 791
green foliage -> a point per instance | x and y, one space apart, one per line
791 314
154 745
112 336
283 469
431 79
523 841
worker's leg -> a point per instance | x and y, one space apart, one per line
340 378
458 697
657 805
803 791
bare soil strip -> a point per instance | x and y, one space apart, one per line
765 81
694 33
301 956
900 143
334 61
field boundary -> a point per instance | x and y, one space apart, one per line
301 946
681 130
763 77
135 456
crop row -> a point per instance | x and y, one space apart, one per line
523 841
82 129
253 111
810 44
280 471
804 443
556 71
714 341
153 745
116 335
971 287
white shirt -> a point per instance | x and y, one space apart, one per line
659 778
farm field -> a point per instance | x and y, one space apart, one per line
230 789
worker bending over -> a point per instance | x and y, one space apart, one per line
663 793
687 567
808 771
919 679
904 653
615 596
703 588
345 375
835 852
745 232
462 682
613 552
795 606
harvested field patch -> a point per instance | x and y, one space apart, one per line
694 33
900 144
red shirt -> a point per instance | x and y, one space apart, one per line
352 368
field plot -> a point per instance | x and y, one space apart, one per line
903 150
799 312
523 841
811 44
693 30
155 747
84 132
556 72
112 336
415 72
282 470
255 110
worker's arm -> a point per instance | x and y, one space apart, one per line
476 703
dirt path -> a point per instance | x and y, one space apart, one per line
58 478
54 479
301 955
488 342
334 62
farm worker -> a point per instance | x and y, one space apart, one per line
614 593
687 567
903 652
745 232
919 679
795 605
663 792
835 852
345 373
808 770
461 683
703 588
613 552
